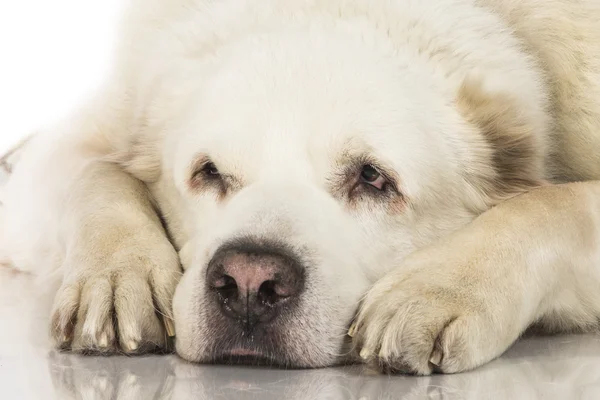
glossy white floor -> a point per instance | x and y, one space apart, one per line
565 367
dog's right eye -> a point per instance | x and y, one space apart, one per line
206 173
207 176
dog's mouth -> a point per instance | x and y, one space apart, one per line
242 352
243 356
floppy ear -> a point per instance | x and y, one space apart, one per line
142 159
137 150
517 146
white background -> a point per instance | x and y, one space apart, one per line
52 54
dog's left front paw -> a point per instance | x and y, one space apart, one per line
417 324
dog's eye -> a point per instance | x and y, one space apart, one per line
206 176
210 170
371 176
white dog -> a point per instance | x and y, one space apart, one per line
317 166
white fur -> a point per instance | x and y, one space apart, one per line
464 101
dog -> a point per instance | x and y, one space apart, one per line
300 183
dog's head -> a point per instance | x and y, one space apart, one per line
297 168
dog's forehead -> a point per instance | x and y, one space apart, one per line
269 107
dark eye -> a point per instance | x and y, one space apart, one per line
207 177
210 170
369 175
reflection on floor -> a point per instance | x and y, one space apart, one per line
549 368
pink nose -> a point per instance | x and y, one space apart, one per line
250 282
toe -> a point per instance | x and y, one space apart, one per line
64 314
138 325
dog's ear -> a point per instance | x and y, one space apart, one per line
140 158
516 146
143 160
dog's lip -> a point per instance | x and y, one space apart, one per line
243 352
245 356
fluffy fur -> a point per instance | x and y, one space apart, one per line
463 105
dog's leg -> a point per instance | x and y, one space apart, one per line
66 210
463 301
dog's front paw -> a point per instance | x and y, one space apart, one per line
119 302
419 323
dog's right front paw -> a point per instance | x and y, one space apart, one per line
122 308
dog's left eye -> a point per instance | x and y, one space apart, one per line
371 176
210 170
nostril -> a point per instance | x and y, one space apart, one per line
226 286
224 281
267 293
272 291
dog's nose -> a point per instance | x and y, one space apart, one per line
252 283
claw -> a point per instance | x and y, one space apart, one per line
103 342
365 353
132 345
436 357
170 328
352 330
